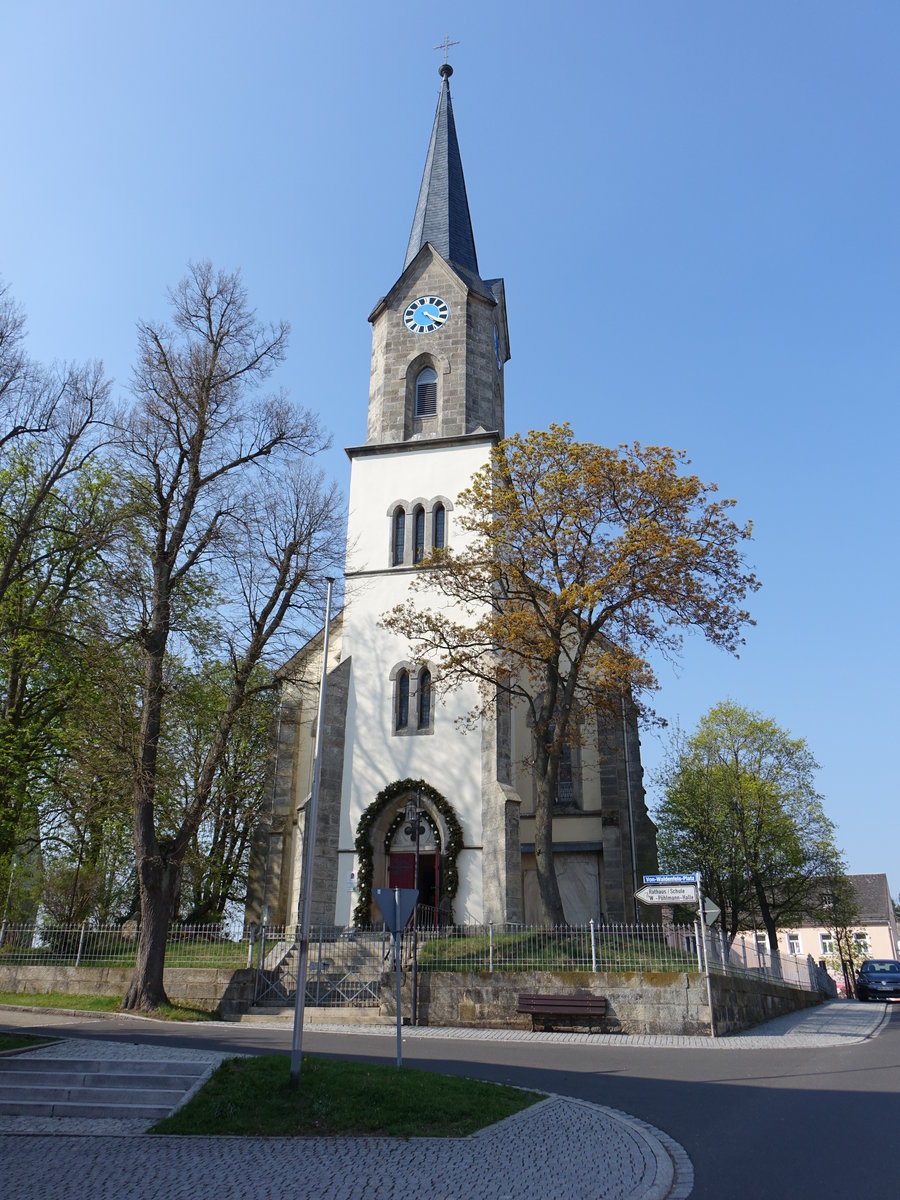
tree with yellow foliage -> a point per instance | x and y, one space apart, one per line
581 562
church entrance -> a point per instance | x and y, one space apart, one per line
402 863
402 874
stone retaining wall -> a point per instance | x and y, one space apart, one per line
209 988
648 1002
638 1002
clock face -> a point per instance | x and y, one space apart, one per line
425 314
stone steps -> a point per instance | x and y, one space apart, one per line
316 1016
100 1088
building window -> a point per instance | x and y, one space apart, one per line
438 527
402 700
426 393
412 703
399 538
826 941
419 528
565 780
861 942
424 698
793 943
762 944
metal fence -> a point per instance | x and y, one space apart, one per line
88 945
747 957
346 963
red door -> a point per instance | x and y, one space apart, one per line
402 870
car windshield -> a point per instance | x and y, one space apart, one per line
882 966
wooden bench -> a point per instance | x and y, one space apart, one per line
573 1006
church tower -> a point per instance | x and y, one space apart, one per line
392 738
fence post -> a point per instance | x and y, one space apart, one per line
250 947
80 944
491 946
319 969
593 949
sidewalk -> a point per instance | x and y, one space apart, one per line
835 1023
566 1148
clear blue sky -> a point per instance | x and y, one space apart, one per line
709 190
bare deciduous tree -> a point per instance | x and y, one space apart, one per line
230 511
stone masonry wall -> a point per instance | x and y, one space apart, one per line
651 1002
231 992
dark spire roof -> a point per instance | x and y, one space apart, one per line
442 213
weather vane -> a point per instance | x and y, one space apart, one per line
445 46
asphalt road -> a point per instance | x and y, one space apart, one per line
798 1123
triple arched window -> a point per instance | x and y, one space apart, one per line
417 530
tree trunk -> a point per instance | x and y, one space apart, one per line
768 921
158 880
551 901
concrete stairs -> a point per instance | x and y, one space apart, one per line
272 1014
100 1088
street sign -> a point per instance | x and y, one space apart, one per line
711 912
670 878
396 906
669 893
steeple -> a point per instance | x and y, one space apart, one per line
442 213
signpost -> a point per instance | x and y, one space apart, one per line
667 893
683 878
397 905
685 889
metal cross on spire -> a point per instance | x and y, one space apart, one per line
445 46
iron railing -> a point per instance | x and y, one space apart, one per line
346 963
88 945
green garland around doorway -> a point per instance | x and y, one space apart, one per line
362 914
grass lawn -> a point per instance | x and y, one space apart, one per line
251 1096
17 1041
166 1012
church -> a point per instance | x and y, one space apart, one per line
392 745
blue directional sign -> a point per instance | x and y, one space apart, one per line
689 878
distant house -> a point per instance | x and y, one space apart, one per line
875 930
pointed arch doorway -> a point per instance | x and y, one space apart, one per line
403 869
386 851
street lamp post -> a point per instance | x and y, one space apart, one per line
415 827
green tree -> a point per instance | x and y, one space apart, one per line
57 517
576 562
214 872
228 507
740 805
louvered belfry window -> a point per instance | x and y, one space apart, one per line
426 393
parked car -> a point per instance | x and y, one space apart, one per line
878 978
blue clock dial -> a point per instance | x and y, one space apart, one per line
426 314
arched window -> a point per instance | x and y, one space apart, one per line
565 781
399 536
419 528
402 719
438 527
426 393
424 699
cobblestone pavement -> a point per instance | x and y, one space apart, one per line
835 1023
563 1148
